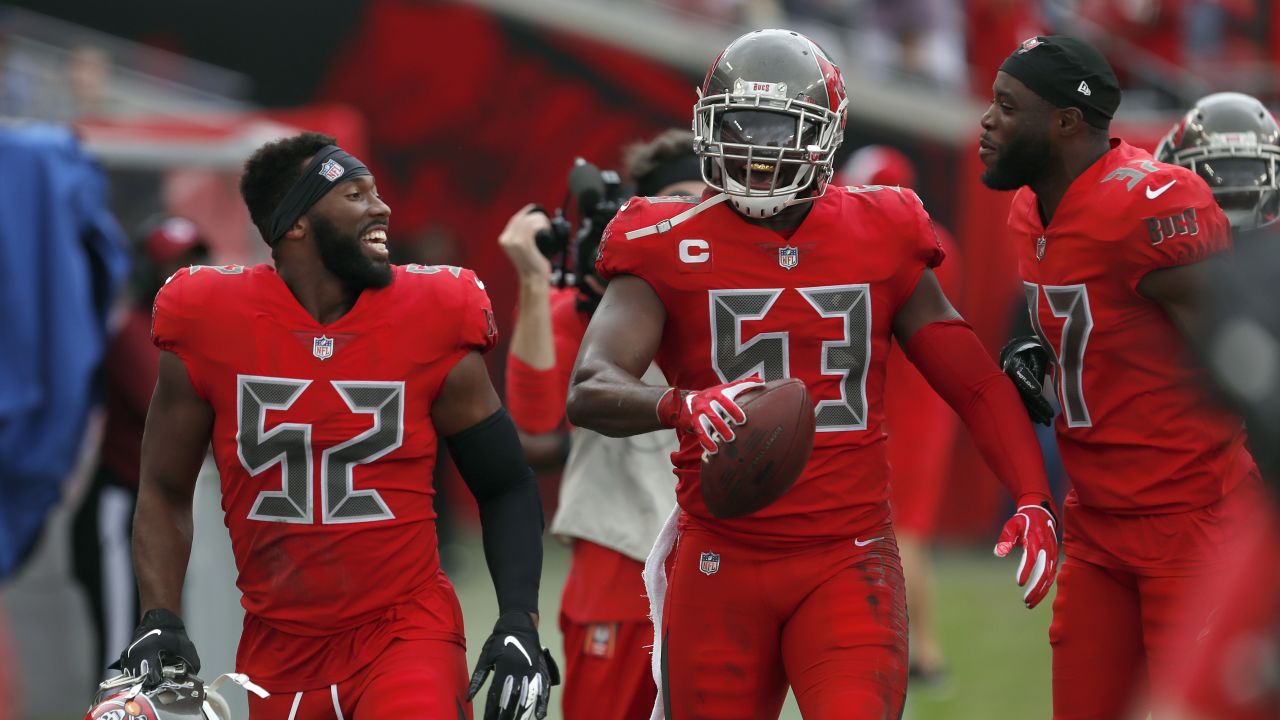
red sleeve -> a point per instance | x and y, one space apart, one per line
536 398
952 359
620 255
477 329
1183 225
168 316
173 321
919 241
923 238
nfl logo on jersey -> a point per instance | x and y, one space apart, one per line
788 257
709 563
322 347
331 170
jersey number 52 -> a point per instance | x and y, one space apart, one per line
289 446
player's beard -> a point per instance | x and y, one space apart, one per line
342 255
1020 162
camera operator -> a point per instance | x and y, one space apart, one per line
615 493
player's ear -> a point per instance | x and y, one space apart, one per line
299 229
1069 121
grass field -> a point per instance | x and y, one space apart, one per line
998 651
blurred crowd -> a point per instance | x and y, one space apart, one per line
1167 52
955 45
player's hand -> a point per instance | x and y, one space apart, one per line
1025 360
517 241
709 414
160 639
523 671
1034 528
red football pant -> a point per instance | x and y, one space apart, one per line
411 679
607 670
830 618
1125 601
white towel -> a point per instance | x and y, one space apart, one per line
655 585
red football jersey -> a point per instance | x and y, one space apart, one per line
1138 431
818 305
323 438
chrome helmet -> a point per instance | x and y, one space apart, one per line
769 118
179 696
1233 142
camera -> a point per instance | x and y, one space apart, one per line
594 196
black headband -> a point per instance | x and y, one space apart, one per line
677 169
324 171
1067 72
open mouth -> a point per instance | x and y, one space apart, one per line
375 238
760 176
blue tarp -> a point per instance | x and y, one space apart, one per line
62 260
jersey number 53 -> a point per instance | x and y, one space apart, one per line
768 353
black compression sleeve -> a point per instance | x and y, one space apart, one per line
490 460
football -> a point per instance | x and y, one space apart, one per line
767 454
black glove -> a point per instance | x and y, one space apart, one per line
161 639
1025 360
523 671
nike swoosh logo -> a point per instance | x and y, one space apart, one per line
144 637
1153 194
511 640
864 543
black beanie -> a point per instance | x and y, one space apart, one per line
1067 72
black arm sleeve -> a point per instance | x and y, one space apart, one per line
490 460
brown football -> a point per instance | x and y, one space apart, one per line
768 452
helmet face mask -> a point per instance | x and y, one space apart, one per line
178 697
768 121
1231 141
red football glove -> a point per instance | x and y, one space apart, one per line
709 414
1034 528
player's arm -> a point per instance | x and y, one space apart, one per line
952 359
179 424
1183 292
531 338
606 393
483 443
536 380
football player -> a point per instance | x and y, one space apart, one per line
774 274
1232 141
1109 241
325 384
615 493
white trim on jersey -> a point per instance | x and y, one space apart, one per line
297 700
671 222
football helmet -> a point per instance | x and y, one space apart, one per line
768 120
1233 142
179 696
